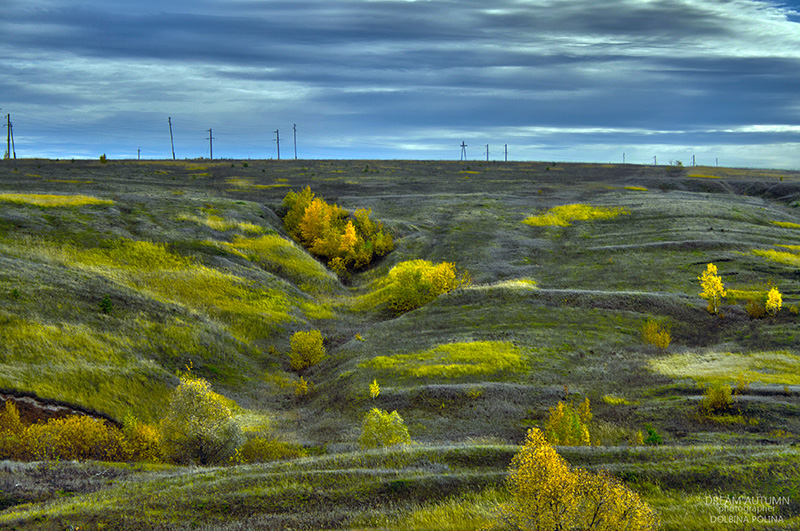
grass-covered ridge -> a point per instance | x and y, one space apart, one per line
188 263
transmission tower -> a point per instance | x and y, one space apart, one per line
463 151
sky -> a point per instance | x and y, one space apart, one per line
639 81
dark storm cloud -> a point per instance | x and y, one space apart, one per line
393 69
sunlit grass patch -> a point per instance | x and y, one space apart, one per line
244 183
513 283
769 367
617 401
50 200
702 176
68 181
636 188
781 257
221 224
136 386
471 512
453 360
786 224
795 248
33 341
250 311
562 216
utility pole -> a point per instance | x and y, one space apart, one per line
623 158
8 136
11 130
139 154
655 160
487 152
278 142
694 163
506 152
294 129
171 141
463 151
210 144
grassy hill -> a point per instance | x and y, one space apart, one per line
116 276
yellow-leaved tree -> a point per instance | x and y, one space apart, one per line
547 494
713 288
774 301
329 231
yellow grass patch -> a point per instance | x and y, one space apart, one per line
562 216
786 224
636 188
701 176
49 200
781 257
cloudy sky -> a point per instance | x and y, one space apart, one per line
558 80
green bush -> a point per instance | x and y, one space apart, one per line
307 349
653 437
199 426
381 428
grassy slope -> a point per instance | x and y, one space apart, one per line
203 276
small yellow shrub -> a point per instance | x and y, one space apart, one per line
656 334
73 437
374 389
381 428
303 388
569 425
716 398
307 349
756 307
142 441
